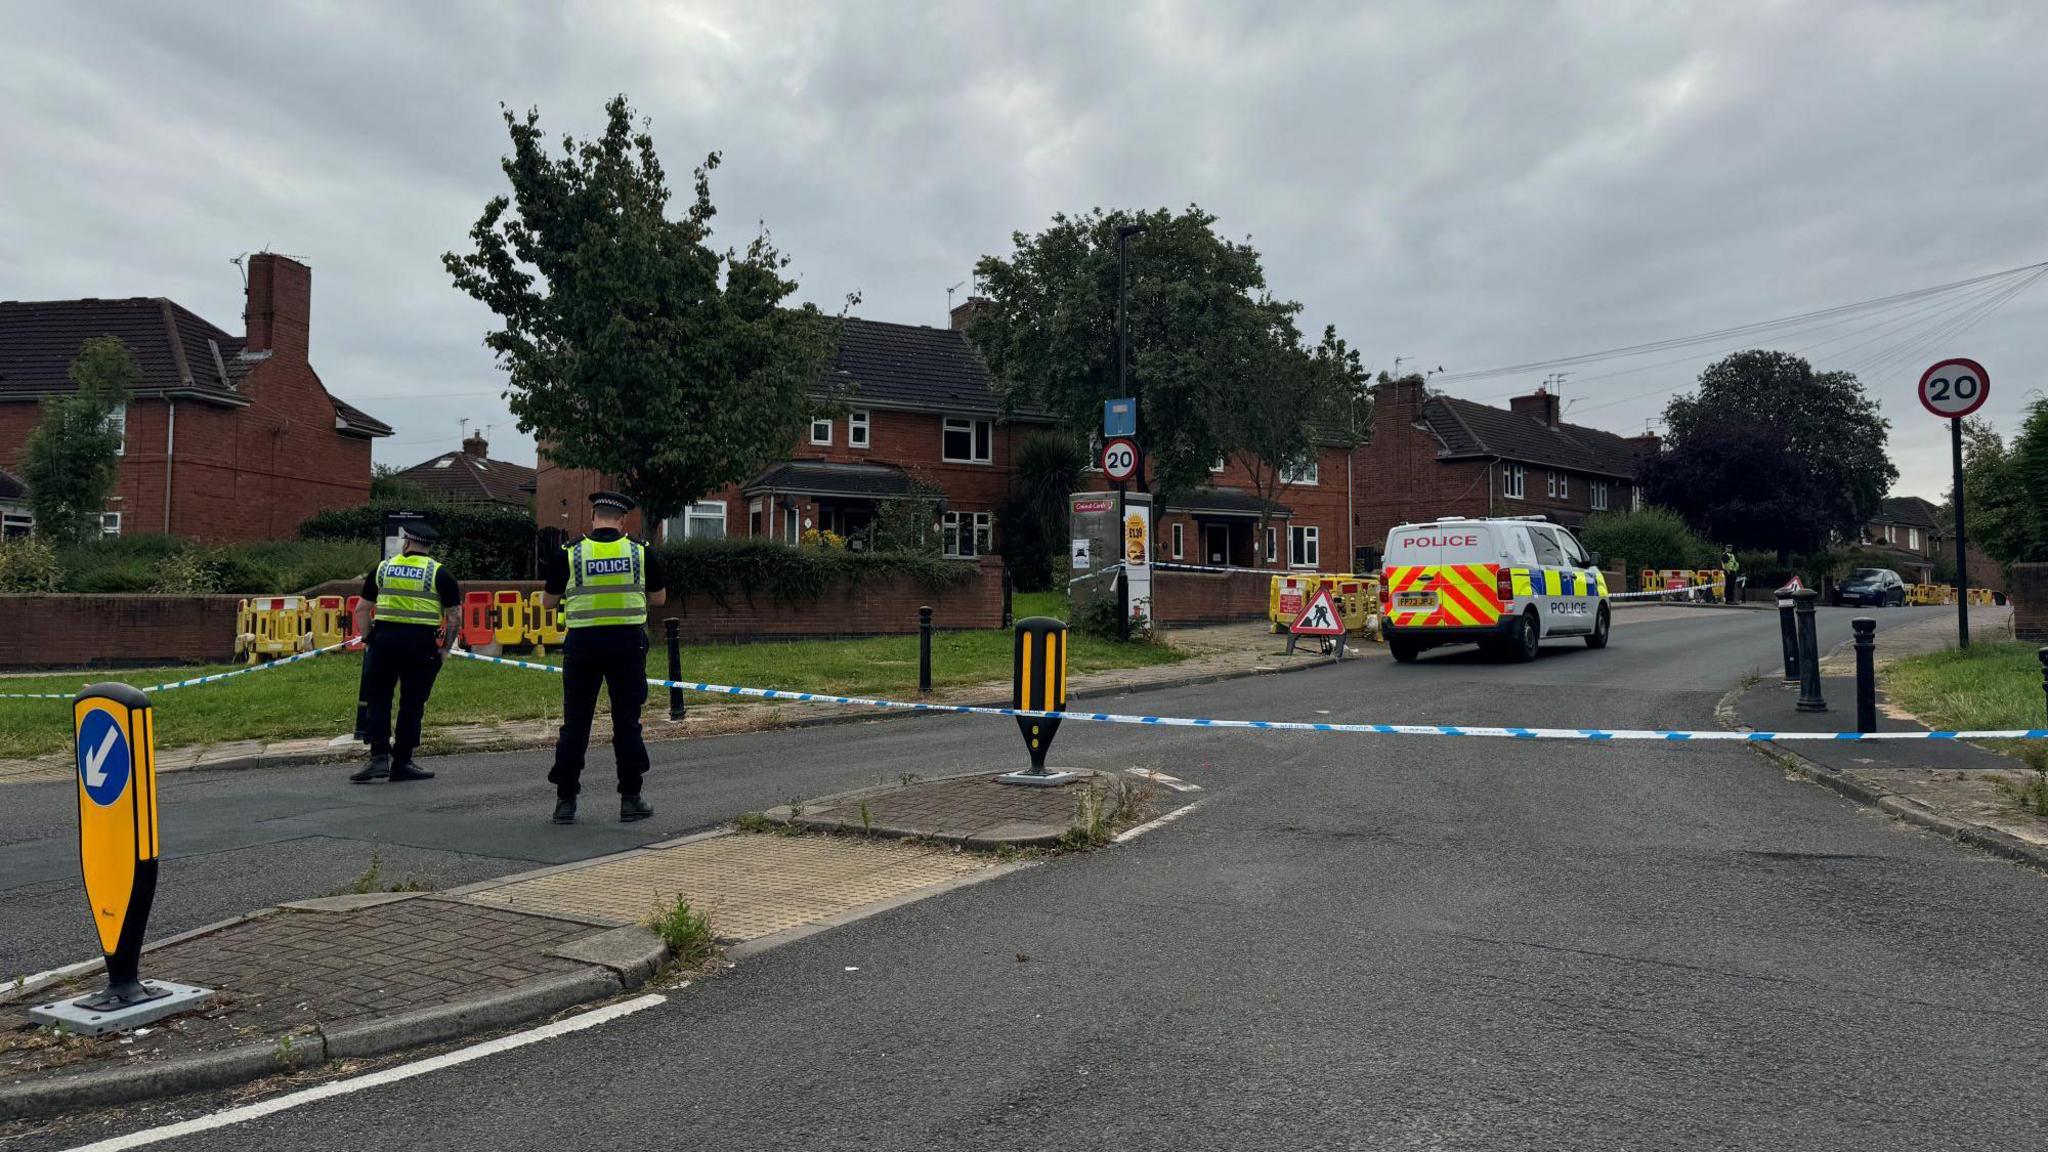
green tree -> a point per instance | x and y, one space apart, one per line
1652 537
72 457
388 487
1770 454
631 345
1201 329
2005 489
1307 398
1033 518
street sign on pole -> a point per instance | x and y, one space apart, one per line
1119 418
1120 460
1953 389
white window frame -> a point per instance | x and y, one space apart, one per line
858 434
1550 488
1304 546
1891 533
792 526
117 422
1221 463
14 524
1176 541
1514 481
1599 495
1913 539
826 422
979 533
678 527
1564 485
975 427
1635 498
110 525
1272 544
1307 475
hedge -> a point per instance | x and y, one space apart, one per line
477 543
171 564
723 569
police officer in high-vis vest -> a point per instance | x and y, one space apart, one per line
410 607
604 583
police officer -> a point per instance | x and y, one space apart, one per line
604 583
408 612
1730 568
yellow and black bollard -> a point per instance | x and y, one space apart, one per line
115 729
1039 684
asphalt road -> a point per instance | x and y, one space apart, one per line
1372 942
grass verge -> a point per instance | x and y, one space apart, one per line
317 697
1989 686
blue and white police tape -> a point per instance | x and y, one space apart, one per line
1696 592
1295 725
212 678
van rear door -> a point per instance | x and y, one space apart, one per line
1413 552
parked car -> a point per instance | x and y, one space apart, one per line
1876 587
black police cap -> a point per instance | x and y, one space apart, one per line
612 501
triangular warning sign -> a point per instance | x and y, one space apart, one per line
1319 617
1792 585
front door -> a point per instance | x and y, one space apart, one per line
1216 544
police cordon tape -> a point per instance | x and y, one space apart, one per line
1287 725
212 678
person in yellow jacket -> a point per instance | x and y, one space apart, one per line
408 613
604 583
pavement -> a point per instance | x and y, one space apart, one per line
1353 941
1215 652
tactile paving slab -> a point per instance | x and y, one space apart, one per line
750 885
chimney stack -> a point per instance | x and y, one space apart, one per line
965 311
477 446
1540 404
279 308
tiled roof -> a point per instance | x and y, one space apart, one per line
1468 428
911 366
175 348
1908 510
1227 502
11 487
462 478
818 478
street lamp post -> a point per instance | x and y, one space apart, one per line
1124 232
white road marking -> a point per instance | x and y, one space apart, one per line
1173 782
1130 834
246 1112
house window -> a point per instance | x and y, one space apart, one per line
1303 473
1599 495
1564 485
1304 546
857 428
1513 481
1272 544
1217 464
968 441
1551 487
821 430
1913 539
14 524
110 524
1176 542
700 521
1635 499
968 534
792 529
1891 533
117 423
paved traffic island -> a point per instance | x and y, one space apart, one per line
973 810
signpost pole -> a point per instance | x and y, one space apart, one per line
1955 428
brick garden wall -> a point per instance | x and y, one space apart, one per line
2027 588
80 631
1210 597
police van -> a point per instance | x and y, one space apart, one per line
1506 583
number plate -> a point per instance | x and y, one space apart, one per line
1415 600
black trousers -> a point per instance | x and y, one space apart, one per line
612 657
406 657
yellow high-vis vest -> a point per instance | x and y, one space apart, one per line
405 591
607 584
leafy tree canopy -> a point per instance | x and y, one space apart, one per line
2005 488
71 458
631 345
1770 454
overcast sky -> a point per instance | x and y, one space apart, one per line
1467 185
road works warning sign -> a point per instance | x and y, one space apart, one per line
1320 617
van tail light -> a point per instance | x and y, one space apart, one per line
1386 599
1504 584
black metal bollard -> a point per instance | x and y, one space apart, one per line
1866 673
1810 699
924 651
1007 589
1788 632
674 629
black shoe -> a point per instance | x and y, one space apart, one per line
633 808
407 770
565 811
378 768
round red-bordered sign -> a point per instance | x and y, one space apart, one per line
1954 388
1120 459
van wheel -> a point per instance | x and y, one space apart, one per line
1598 637
1405 651
1527 638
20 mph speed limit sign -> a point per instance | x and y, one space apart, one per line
1120 459
1954 388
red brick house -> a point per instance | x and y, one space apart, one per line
469 476
226 437
922 410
